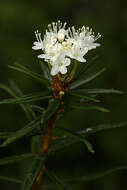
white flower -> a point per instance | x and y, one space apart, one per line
60 65
60 45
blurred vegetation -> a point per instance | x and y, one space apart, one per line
18 21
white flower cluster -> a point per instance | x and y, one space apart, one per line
60 45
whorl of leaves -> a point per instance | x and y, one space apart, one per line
38 117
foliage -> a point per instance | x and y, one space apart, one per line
41 123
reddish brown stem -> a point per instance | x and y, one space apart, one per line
45 145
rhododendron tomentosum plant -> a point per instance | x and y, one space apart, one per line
63 76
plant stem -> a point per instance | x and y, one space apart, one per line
45 146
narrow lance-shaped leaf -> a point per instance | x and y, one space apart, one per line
15 93
32 74
26 108
57 181
102 127
14 180
14 159
36 144
86 66
4 135
22 132
89 107
25 70
45 70
32 174
97 91
64 142
78 83
37 108
7 89
95 176
52 108
27 98
77 137
89 177
85 97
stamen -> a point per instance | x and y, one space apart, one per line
97 37
64 25
39 36
59 24
36 34
50 27
53 25
74 33
70 32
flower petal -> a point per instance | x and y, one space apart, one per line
63 69
37 46
54 70
42 56
67 62
80 59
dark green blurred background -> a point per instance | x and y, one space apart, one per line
18 21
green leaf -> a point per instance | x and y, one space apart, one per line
14 159
97 91
36 144
37 108
27 98
4 135
89 107
95 176
7 89
86 66
22 132
32 174
78 83
64 142
26 71
92 177
77 137
14 92
15 88
26 108
52 108
101 127
77 94
57 181
45 70
10 179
